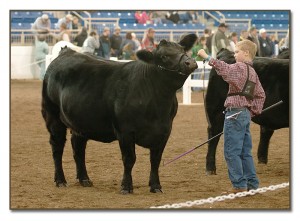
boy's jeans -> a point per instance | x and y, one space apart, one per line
237 150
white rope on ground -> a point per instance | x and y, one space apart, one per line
220 198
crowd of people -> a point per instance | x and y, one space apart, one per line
108 45
267 45
103 44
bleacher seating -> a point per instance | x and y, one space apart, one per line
25 19
270 20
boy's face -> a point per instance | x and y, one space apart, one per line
239 55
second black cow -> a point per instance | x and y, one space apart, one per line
134 103
274 77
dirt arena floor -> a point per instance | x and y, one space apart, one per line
32 169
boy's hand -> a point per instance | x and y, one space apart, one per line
202 54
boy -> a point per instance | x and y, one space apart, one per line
245 99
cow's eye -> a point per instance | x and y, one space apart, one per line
163 57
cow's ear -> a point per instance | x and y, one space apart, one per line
187 41
145 55
163 41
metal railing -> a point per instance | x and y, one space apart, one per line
26 37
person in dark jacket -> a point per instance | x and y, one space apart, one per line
104 49
80 38
115 42
266 45
254 38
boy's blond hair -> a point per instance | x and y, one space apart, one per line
247 45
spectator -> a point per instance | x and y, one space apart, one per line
41 50
158 17
233 39
91 43
286 40
42 25
192 17
75 23
64 34
266 46
115 42
253 37
67 20
128 52
220 40
127 47
208 35
136 41
281 44
142 17
201 44
274 39
275 43
104 49
148 40
244 35
173 16
80 38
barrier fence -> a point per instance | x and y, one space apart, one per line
231 196
197 80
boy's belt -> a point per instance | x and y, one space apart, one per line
235 108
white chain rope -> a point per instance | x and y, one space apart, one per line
221 198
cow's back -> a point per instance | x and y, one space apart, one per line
75 85
274 76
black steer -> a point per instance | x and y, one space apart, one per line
274 77
134 103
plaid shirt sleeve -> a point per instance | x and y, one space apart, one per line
236 76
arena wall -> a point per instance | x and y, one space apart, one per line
22 63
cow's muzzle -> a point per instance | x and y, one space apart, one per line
188 65
191 64
185 66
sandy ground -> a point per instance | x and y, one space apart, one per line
32 169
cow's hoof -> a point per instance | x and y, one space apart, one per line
86 183
125 192
262 161
156 190
61 184
211 172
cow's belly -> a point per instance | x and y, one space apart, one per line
87 118
153 134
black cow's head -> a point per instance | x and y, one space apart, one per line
172 57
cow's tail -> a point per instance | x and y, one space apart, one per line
47 105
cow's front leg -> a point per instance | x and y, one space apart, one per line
127 146
155 158
79 145
263 147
